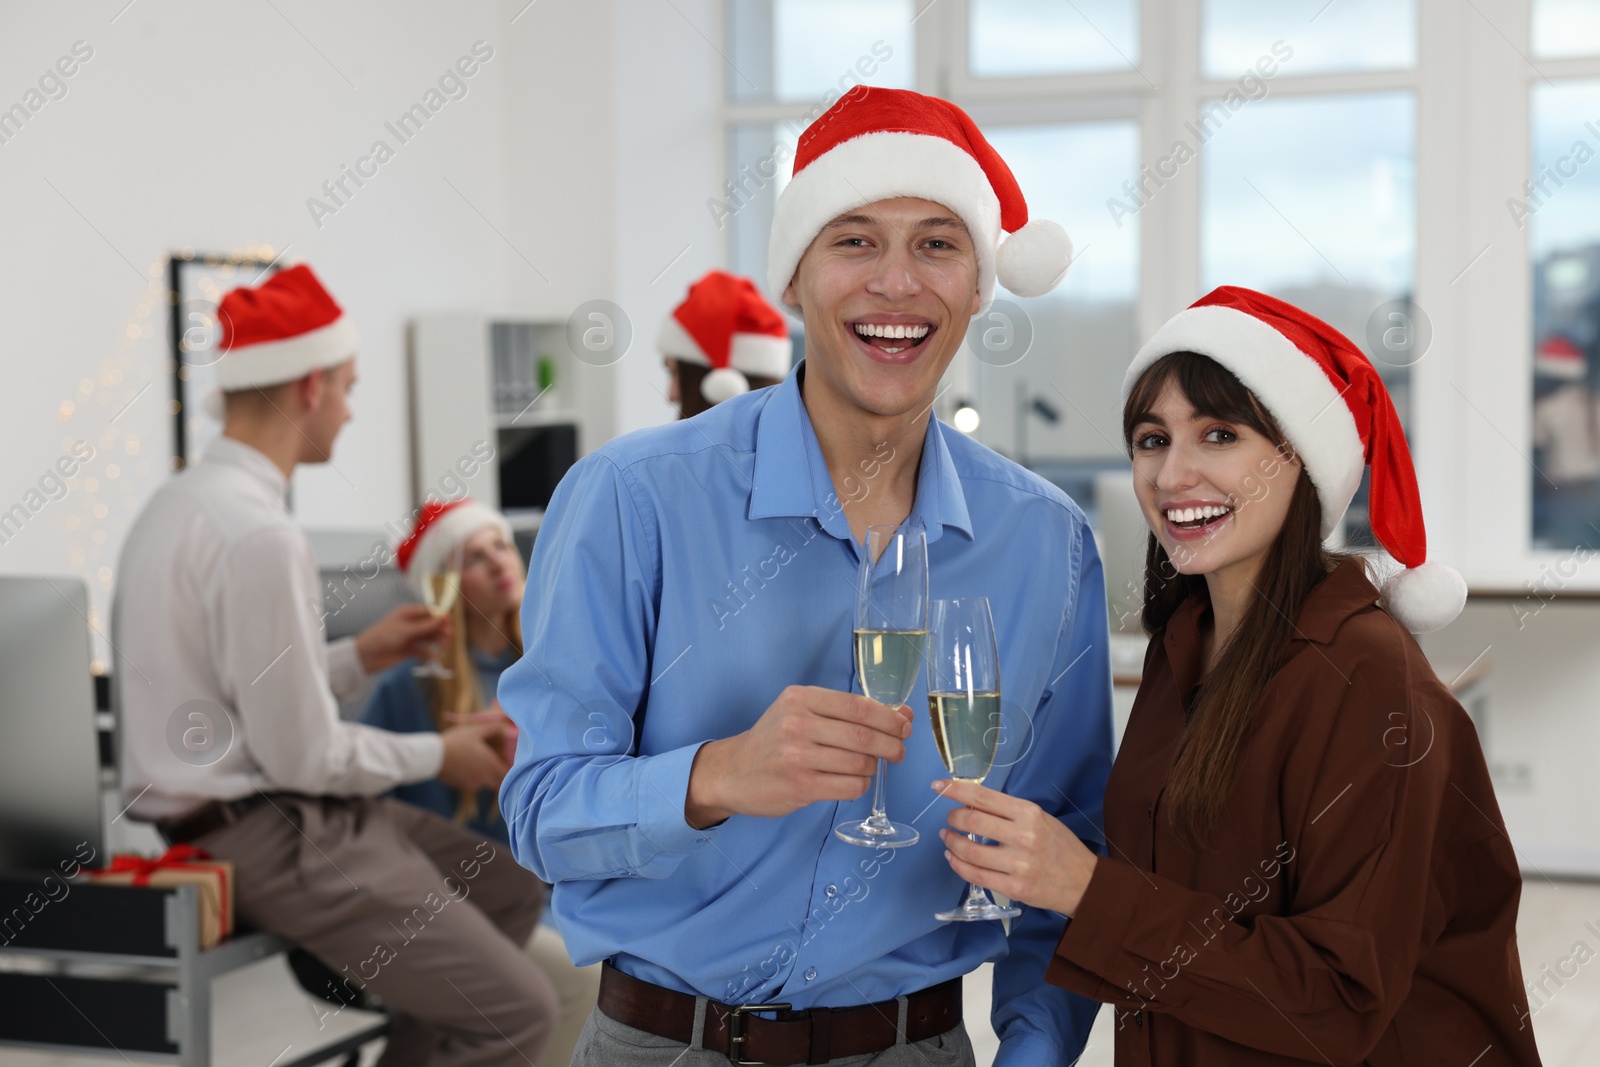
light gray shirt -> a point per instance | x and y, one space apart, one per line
226 683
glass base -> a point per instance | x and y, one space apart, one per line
972 913
876 833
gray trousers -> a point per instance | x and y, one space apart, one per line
608 1043
428 915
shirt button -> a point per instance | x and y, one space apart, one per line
811 974
832 891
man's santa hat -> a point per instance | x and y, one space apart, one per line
278 331
441 526
726 324
1338 418
877 144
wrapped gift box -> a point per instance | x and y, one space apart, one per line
182 865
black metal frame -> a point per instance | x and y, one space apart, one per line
176 262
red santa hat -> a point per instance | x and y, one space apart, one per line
281 329
1557 357
440 527
1337 415
877 144
726 324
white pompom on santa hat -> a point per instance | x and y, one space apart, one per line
278 331
441 526
1332 406
878 144
725 324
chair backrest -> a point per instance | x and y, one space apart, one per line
354 602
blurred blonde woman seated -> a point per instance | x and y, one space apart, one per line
484 636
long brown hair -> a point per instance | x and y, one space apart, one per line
1207 757
461 693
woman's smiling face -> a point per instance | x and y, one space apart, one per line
1215 492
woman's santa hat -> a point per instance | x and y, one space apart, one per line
280 330
1336 413
877 144
440 528
726 325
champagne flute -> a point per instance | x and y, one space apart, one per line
964 703
439 591
890 632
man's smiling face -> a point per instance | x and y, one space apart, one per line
886 291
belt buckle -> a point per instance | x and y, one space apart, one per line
736 1034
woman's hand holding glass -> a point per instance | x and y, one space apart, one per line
440 590
1035 859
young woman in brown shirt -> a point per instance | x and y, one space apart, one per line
1306 861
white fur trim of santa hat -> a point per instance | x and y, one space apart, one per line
1288 382
274 362
443 534
882 166
760 354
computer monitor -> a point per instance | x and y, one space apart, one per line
49 756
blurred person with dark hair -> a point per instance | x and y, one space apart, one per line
723 340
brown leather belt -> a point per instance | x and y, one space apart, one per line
815 1035
208 817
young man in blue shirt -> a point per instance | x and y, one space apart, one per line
691 728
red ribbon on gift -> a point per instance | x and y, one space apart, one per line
142 868
178 856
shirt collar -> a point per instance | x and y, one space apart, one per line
791 477
253 462
1343 593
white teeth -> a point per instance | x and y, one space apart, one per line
869 329
1207 512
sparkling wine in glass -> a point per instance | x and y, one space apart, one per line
964 704
440 589
891 629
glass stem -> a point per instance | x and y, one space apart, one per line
976 897
880 814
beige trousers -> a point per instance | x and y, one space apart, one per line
429 916
577 989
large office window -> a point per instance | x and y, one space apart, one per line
1561 209
1338 240
1051 406
1348 35
1016 38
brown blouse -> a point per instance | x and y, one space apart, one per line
1358 902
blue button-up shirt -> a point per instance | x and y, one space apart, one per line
683 576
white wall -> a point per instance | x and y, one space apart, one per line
670 161
209 125
1542 728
